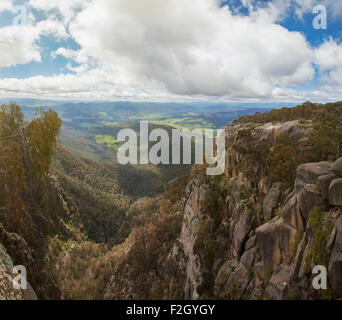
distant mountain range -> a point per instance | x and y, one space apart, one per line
89 127
218 115
149 107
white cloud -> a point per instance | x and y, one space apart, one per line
302 7
6 5
52 27
193 49
98 85
329 59
65 8
17 45
77 56
90 85
175 49
278 10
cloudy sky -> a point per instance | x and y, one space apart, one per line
166 50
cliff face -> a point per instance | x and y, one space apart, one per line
266 241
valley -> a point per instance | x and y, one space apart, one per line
170 150
93 229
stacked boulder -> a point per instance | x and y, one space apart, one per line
7 292
317 185
335 186
269 239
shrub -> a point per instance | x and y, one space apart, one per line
294 292
321 230
283 161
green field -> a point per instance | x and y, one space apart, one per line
108 140
185 123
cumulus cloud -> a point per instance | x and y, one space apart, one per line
282 9
93 84
329 59
306 6
52 27
67 9
173 48
193 49
19 43
18 46
6 5
77 56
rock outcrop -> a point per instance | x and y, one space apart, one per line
336 168
7 291
335 261
192 218
274 240
270 242
335 192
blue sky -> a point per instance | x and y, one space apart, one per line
302 24
244 50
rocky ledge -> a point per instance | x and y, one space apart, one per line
7 292
271 245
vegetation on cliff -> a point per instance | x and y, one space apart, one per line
94 235
323 143
26 205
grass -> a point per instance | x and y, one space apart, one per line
185 123
298 239
322 230
86 125
108 140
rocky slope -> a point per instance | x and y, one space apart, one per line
267 241
29 250
7 292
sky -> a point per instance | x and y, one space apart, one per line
171 50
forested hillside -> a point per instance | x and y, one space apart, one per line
30 208
54 202
258 231
88 230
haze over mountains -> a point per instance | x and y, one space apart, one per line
125 110
90 128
